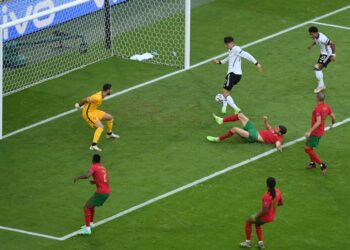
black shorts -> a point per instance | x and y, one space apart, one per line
324 60
231 79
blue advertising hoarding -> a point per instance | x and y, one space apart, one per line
18 9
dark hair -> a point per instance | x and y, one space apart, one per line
271 183
107 86
320 96
228 39
96 158
313 29
283 129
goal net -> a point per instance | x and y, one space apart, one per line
44 39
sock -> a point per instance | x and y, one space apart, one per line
231 118
224 103
231 102
92 210
313 155
258 230
97 135
248 231
319 77
227 135
87 212
109 126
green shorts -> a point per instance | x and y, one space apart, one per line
97 199
312 141
253 133
258 221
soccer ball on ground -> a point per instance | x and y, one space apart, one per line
219 98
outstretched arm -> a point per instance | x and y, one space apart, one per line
279 146
223 61
311 45
266 122
250 58
78 105
85 176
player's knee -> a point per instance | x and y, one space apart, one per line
234 129
317 67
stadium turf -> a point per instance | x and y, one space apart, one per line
163 128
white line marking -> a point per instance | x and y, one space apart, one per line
332 25
30 233
192 183
179 71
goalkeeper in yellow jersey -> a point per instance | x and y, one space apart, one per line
94 117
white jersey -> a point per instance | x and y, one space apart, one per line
323 42
234 59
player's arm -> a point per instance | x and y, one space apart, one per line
223 61
311 45
332 44
80 104
317 123
266 122
250 58
85 176
333 119
279 146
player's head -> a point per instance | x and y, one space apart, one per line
282 129
320 97
271 184
96 158
107 88
313 31
229 42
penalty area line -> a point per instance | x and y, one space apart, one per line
179 71
333 25
194 183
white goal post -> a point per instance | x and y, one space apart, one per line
56 37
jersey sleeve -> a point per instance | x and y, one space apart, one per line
92 99
225 60
248 56
323 39
92 169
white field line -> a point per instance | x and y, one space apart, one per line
333 25
177 190
192 183
29 233
179 71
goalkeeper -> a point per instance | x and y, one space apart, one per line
93 116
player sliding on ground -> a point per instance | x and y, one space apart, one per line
249 132
93 116
327 54
270 200
100 179
234 73
314 135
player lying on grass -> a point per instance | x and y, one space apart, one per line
100 179
93 116
249 132
327 54
270 200
314 135
234 72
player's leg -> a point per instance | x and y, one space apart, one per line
109 124
248 232
243 133
311 143
88 211
99 129
319 74
230 80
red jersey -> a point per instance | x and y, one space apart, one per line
267 201
270 136
99 173
322 110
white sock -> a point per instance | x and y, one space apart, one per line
88 228
224 103
231 102
319 77
248 241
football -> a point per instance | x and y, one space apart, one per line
219 98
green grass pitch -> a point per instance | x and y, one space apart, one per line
162 147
